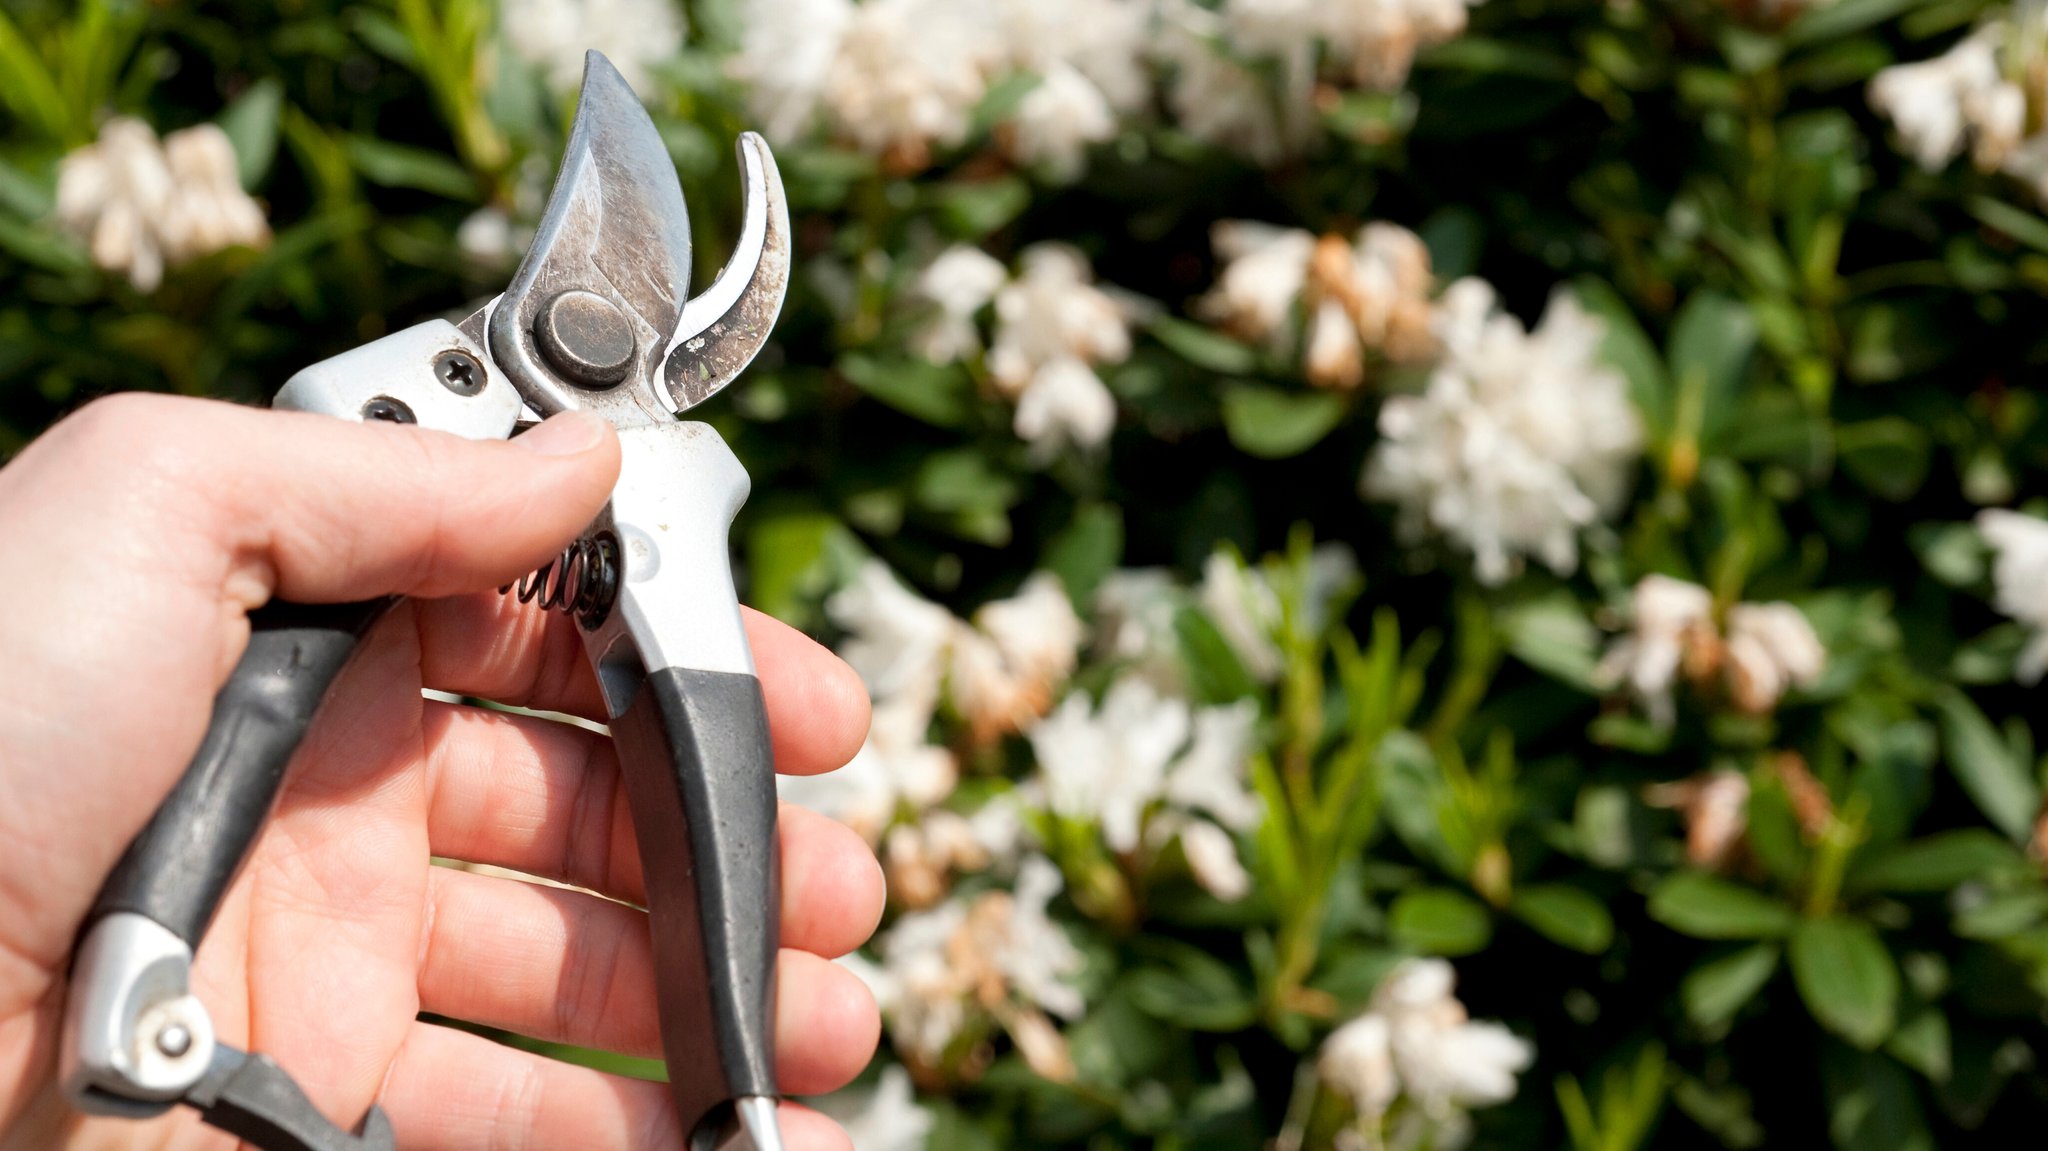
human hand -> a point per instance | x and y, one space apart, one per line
137 535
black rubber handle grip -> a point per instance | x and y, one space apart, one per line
700 775
181 864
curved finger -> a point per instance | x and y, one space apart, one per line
496 648
567 967
546 798
449 1090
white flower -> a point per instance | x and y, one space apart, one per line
1058 119
959 283
553 35
1113 765
1377 39
1358 1060
1136 614
1715 807
894 77
1241 604
1264 270
999 953
1370 295
1052 323
1662 613
887 1117
2020 580
1926 100
1217 99
1771 648
1007 669
1065 404
140 206
895 768
1520 441
1423 1047
1107 766
1210 776
897 640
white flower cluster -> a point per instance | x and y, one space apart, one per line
1149 770
999 673
1768 648
886 1117
899 78
141 206
1521 440
994 958
1415 1042
553 35
1245 76
2020 580
1053 327
1364 297
1976 95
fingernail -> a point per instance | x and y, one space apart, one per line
568 433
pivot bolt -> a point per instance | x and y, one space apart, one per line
586 338
174 1040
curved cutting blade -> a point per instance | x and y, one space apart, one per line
616 226
723 329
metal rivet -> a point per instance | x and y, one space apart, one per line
459 372
174 1040
586 338
390 411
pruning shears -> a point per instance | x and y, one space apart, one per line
598 316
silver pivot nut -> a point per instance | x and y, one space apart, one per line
586 338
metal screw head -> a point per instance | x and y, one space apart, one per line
174 1040
388 410
459 372
586 338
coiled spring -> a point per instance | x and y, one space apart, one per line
582 582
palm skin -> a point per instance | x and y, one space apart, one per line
340 932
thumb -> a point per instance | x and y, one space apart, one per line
256 504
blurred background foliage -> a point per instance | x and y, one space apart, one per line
1832 351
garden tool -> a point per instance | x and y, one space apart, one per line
598 316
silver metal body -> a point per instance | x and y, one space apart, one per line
596 318
130 987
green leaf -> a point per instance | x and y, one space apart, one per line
1707 907
399 166
1628 349
1552 634
1565 915
1888 455
1922 1043
1440 921
938 394
963 480
1938 863
1273 424
1847 978
1872 1103
2019 223
1193 989
28 89
1834 21
1086 550
975 208
1715 990
251 123
1201 347
2000 783
785 554
1711 341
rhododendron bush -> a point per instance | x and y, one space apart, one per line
1432 574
